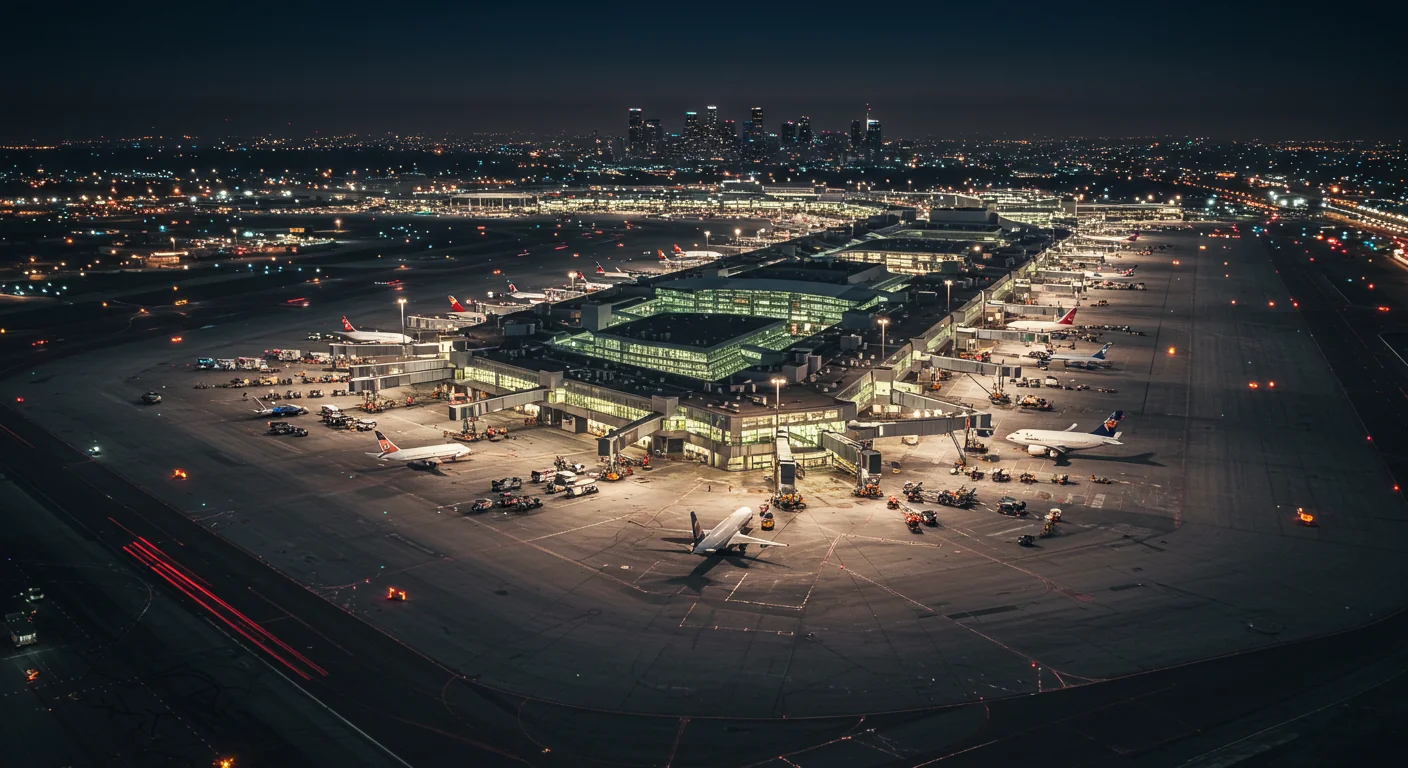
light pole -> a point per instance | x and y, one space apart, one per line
948 288
402 303
706 239
884 322
777 383
572 276
737 235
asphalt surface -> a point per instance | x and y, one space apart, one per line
1192 553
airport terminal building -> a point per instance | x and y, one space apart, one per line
693 364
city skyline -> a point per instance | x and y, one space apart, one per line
1223 72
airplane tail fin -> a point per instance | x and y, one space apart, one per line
1101 354
512 288
1107 429
455 306
1068 318
385 442
677 248
661 255
346 326
600 270
694 526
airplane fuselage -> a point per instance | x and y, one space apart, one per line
716 540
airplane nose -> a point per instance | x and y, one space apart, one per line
1012 437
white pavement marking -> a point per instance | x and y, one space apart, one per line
1098 501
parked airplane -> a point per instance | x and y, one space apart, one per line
728 533
586 285
1095 358
430 455
1113 238
278 410
1066 323
602 273
1124 276
486 307
528 296
352 334
1049 442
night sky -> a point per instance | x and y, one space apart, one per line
1226 70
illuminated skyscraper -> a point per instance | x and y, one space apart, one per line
635 132
788 134
804 130
857 135
873 139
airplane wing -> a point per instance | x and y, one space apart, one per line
739 538
1068 429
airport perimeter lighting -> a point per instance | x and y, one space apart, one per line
884 322
706 239
402 303
737 233
948 288
777 383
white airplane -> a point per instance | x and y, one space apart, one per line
1049 442
605 275
1095 358
531 298
1113 238
688 257
430 454
728 533
582 282
1066 323
352 334
485 307
1114 277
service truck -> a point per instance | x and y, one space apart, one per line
21 629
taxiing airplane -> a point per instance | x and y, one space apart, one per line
1066 323
1095 358
278 410
430 455
728 533
352 334
1049 442
1113 238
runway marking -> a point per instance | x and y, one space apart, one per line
1098 501
735 587
692 606
1009 530
579 528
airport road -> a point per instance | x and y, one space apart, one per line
368 677
143 680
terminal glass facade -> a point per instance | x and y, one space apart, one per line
705 364
813 311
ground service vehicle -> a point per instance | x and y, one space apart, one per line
151 398
481 505
582 489
21 629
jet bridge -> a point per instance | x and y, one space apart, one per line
784 469
935 425
477 408
851 455
617 439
